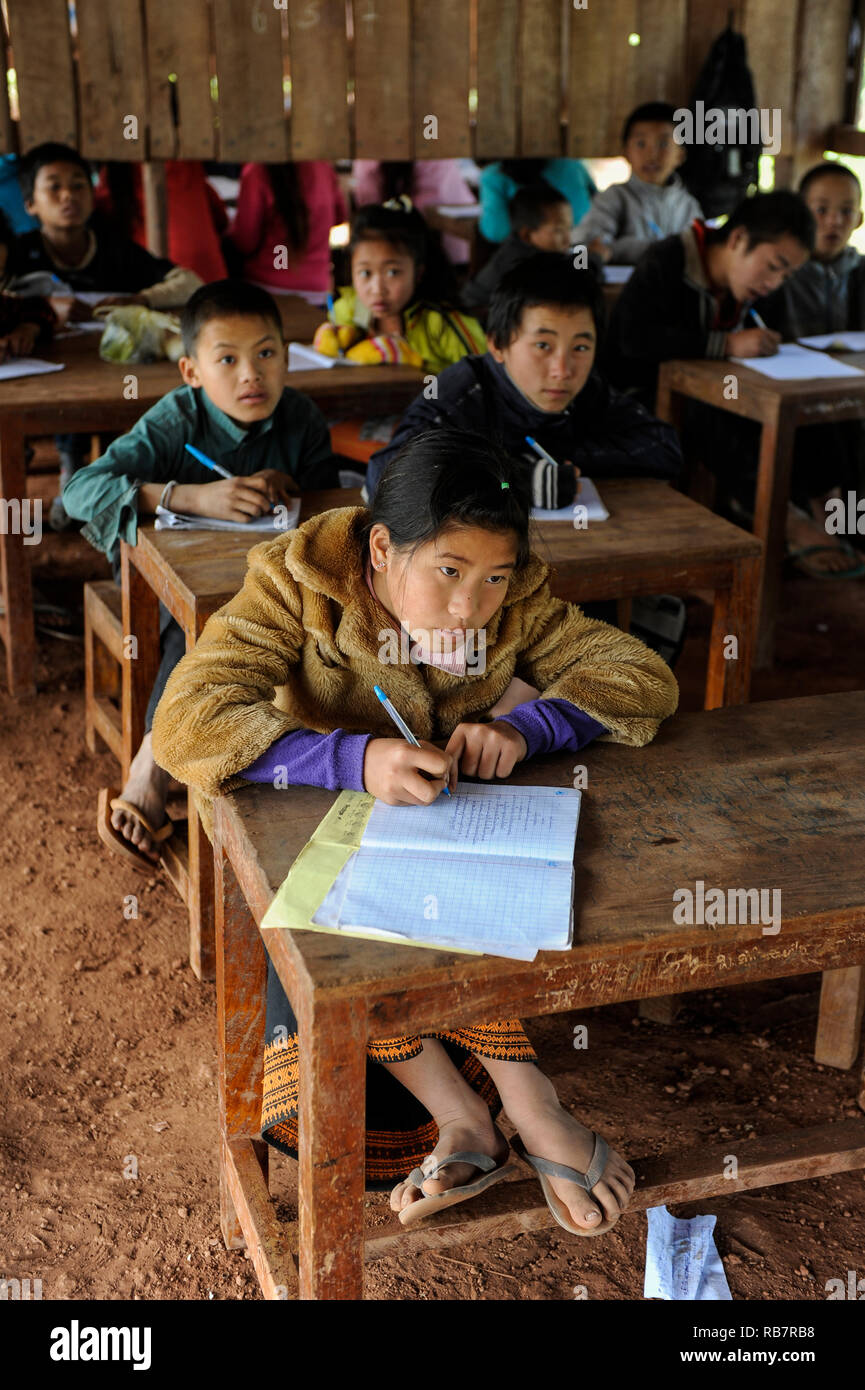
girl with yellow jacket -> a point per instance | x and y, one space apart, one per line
435 594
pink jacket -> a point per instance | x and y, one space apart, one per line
258 228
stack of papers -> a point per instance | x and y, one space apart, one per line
285 518
845 340
588 497
27 366
794 363
488 870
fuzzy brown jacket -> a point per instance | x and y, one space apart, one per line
298 648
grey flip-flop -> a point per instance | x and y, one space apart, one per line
427 1205
587 1180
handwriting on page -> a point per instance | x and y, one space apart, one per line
481 821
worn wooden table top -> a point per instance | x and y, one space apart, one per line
758 796
650 524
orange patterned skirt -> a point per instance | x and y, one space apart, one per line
400 1132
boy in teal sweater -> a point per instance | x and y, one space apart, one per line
235 408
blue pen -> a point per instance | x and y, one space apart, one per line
755 316
208 463
400 723
653 227
539 449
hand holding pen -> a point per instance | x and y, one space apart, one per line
410 773
760 341
238 498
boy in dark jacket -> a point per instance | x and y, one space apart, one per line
690 294
538 379
86 252
541 220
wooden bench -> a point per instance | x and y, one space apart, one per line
767 795
103 661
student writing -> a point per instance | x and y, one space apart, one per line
235 408
826 295
280 687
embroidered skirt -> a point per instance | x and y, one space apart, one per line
400 1132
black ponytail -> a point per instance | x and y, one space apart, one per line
448 477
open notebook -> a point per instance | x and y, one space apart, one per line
488 870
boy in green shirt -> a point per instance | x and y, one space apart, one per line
235 408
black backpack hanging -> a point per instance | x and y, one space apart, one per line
719 175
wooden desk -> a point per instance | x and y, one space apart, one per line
780 407
655 541
92 395
767 795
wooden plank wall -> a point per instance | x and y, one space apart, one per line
397 79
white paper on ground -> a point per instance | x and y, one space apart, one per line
682 1262
795 363
588 497
845 340
27 366
617 274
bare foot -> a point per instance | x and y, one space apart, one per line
805 531
147 788
474 1132
550 1132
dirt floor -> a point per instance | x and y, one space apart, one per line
108 1105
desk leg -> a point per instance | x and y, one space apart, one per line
333 1037
728 679
770 521
140 663
246 1213
839 1026
15 584
201 888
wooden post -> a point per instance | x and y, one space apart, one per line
155 207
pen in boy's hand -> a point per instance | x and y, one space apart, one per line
756 317
214 467
401 724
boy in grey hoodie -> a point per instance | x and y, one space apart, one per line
626 218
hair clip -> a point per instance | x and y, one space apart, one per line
402 203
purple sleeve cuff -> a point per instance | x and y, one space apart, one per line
553 726
305 758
